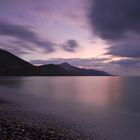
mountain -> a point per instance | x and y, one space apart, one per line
11 65
82 72
53 70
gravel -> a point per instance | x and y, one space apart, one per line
19 124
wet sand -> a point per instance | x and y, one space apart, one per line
19 124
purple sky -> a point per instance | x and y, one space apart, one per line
95 34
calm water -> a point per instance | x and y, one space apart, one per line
108 105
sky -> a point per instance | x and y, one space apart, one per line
93 34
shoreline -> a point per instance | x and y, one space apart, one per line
16 123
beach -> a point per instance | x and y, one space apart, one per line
17 123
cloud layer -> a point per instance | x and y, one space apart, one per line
115 19
24 37
25 34
128 63
125 49
118 22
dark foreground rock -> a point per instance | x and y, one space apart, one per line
23 125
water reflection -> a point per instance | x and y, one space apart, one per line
101 92
98 91
11 82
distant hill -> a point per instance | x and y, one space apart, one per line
11 65
82 72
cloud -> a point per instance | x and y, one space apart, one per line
27 38
128 63
17 47
115 19
66 12
118 22
26 34
13 48
87 62
70 45
125 49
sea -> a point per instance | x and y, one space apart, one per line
106 105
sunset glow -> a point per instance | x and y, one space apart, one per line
50 29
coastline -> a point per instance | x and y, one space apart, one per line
16 123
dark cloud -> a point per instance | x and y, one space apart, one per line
13 48
70 45
125 49
24 33
22 44
128 63
26 38
115 19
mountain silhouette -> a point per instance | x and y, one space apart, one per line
11 65
82 72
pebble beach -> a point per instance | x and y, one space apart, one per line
18 124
